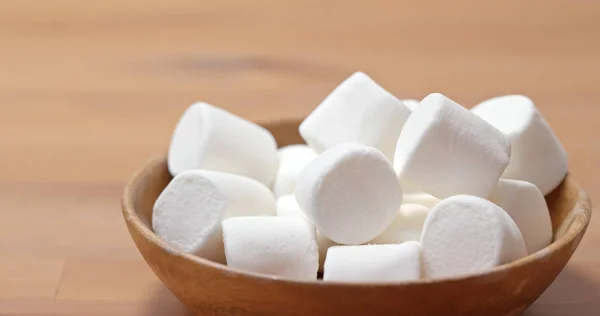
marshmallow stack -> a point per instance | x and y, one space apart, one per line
373 263
526 205
188 213
279 246
537 155
211 138
446 150
292 159
466 234
350 193
385 190
358 111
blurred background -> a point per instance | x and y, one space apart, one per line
90 90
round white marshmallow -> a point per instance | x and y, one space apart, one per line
210 138
280 246
188 213
287 206
526 205
466 234
360 111
373 263
292 159
446 150
407 225
537 155
350 193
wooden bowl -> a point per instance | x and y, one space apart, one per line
209 288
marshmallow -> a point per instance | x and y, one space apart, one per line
446 150
467 234
424 199
373 263
292 160
280 246
407 225
188 213
359 111
537 155
211 138
526 205
350 193
411 103
409 189
287 206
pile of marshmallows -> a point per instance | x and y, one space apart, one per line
385 190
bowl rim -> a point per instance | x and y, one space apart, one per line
582 207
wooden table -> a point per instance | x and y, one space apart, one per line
89 90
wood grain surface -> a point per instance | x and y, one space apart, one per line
89 90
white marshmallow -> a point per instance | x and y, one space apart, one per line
409 189
280 246
373 263
466 234
526 205
445 150
188 213
350 193
287 206
359 111
407 225
210 138
427 200
411 103
292 159
537 155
